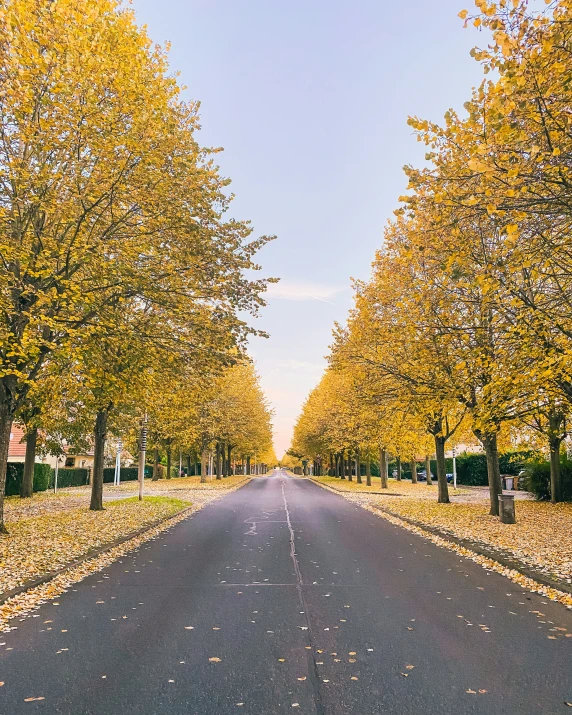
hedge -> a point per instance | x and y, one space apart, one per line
537 478
127 474
71 477
15 473
471 468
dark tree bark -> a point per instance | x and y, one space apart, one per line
99 438
443 496
413 471
189 465
218 460
168 450
358 467
368 469
398 463
204 464
155 465
7 410
27 486
383 468
342 465
228 462
350 470
555 436
489 442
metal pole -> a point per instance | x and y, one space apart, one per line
56 475
117 475
142 450
454 468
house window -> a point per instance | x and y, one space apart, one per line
70 461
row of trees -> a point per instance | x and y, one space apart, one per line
466 323
123 283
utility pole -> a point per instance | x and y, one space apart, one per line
142 450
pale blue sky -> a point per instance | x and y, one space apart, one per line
310 99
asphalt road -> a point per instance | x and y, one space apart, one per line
309 604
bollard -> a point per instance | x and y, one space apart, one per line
506 509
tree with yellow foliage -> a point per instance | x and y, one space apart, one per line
105 195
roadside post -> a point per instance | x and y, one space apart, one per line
142 450
506 509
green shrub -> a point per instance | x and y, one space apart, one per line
71 477
127 474
472 468
42 477
537 478
15 473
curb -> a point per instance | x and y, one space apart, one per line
92 553
345 491
479 549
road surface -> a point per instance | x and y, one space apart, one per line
285 598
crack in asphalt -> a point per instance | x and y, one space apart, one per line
313 669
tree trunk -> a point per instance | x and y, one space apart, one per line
443 496
99 437
169 462
27 486
218 460
228 456
350 470
554 441
6 418
383 468
489 442
204 464
189 463
555 487
413 471
398 463
428 470
358 467
155 465
368 469
342 465
248 465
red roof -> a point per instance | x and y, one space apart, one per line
17 447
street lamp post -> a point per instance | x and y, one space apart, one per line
142 451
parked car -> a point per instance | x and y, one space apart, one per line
449 477
422 475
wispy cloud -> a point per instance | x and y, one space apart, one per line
299 365
286 290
